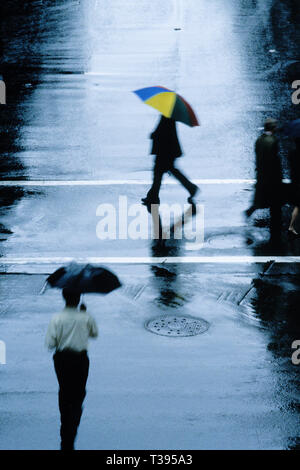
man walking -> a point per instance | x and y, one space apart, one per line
268 190
68 333
166 147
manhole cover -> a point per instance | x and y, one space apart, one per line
175 325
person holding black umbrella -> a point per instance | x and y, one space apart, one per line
68 334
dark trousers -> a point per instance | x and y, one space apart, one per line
72 370
276 220
161 167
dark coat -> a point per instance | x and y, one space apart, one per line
293 189
294 164
165 141
268 189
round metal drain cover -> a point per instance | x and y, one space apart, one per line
176 325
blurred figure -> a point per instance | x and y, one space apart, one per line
268 190
68 334
166 147
294 163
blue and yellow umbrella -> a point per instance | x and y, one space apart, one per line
169 104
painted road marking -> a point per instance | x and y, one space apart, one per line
114 182
150 260
119 182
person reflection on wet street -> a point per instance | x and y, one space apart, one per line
164 245
274 302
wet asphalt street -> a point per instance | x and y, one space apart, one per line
74 137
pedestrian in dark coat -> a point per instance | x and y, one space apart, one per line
268 190
294 163
166 147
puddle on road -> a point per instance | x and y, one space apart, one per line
226 241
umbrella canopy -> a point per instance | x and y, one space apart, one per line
169 104
84 279
292 129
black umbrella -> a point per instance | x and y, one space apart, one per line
83 279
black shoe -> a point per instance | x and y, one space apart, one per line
147 201
67 446
248 213
193 193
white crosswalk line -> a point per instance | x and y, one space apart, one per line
150 260
115 182
120 182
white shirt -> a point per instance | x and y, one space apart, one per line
71 329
